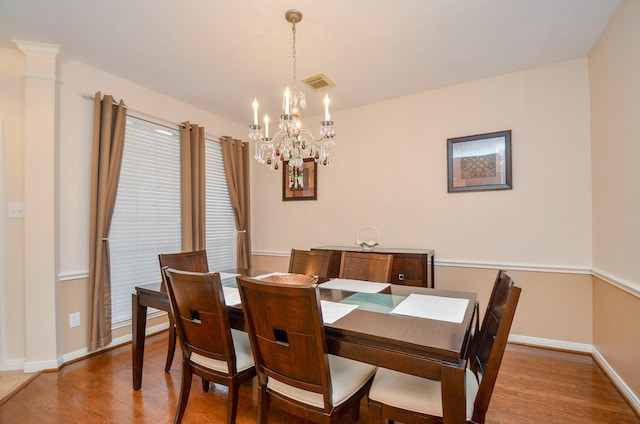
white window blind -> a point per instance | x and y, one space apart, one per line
146 219
220 222
147 215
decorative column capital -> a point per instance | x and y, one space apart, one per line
38 49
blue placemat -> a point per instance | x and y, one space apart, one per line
229 282
374 302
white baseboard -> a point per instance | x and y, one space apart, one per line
79 354
43 365
13 365
21 364
551 343
625 390
611 373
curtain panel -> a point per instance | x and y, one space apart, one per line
193 195
109 121
235 155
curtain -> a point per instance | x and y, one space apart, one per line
109 122
193 197
235 155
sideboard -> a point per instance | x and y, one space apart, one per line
411 267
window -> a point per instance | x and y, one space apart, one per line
147 215
220 222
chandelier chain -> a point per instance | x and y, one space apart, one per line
293 29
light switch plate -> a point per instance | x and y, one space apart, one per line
74 320
16 210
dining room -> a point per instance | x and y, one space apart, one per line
562 224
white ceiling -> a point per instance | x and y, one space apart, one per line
219 55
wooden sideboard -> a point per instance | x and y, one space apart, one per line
411 267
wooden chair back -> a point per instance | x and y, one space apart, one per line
374 267
200 314
187 261
286 331
310 262
195 261
490 342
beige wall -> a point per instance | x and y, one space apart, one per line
390 171
616 334
614 67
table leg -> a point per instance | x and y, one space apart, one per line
453 395
138 328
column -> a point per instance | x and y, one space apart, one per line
43 335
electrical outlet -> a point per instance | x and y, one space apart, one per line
74 320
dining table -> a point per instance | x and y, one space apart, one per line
416 330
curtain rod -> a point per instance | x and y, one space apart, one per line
154 119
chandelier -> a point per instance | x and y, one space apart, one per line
291 142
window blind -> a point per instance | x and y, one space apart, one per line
220 222
146 219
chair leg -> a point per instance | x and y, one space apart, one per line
206 385
263 406
184 391
375 413
355 413
232 402
171 350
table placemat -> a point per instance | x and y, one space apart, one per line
374 302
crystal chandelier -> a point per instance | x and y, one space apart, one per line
291 142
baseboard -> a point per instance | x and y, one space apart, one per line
622 387
551 343
81 353
43 365
13 364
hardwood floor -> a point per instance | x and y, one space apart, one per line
534 386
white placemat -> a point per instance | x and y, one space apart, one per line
354 285
450 309
333 311
225 275
231 296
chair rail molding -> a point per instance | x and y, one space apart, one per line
628 286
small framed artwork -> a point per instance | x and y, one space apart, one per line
480 162
300 183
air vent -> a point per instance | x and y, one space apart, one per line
319 82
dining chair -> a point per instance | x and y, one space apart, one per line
410 399
295 371
187 261
310 262
374 267
211 349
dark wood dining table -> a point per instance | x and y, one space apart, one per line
428 348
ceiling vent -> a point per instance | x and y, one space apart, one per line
319 82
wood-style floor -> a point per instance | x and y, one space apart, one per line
534 386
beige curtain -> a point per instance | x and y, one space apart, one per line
235 155
192 187
108 144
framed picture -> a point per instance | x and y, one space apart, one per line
300 183
480 162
